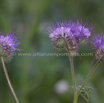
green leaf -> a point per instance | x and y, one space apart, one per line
85 92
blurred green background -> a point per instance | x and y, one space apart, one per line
47 79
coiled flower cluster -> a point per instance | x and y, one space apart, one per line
8 45
69 35
98 43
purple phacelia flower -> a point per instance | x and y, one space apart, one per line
69 33
8 45
98 43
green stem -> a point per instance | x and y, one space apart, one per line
89 75
75 97
8 80
72 71
73 78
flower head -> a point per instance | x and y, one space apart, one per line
98 43
8 45
69 33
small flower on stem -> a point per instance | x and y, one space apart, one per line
69 35
7 46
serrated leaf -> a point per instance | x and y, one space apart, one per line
85 92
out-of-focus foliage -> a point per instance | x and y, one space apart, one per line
85 92
35 77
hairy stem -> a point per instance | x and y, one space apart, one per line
73 78
8 80
72 71
92 70
75 97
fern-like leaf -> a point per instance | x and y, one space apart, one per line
85 92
